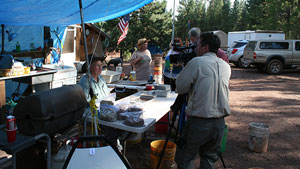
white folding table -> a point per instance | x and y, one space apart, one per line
154 110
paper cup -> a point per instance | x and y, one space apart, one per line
148 87
11 135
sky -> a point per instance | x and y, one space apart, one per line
170 4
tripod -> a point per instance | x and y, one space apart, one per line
179 104
171 126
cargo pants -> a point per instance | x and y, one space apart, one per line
201 136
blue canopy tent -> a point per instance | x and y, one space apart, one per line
64 13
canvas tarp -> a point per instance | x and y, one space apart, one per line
64 12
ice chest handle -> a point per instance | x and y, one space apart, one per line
120 90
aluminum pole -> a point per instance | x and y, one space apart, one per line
83 31
173 23
85 49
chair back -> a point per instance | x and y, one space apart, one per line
106 157
224 140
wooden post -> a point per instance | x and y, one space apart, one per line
2 102
2 93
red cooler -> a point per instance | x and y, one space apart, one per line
161 127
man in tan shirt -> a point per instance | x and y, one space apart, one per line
205 78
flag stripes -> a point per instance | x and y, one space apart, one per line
123 27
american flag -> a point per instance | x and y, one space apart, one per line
123 26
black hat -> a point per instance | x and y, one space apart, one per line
92 58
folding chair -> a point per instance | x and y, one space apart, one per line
106 157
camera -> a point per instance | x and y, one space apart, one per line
185 55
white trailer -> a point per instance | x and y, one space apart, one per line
254 35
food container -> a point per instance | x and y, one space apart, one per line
26 70
5 72
162 93
111 76
132 76
162 87
149 87
17 71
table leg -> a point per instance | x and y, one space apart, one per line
48 147
14 161
124 148
33 88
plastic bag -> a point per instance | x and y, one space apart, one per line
133 118
134 108
108 112
128 106
123 106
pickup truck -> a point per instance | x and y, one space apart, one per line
273 56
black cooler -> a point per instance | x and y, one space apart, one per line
50 111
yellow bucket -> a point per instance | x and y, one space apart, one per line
169 155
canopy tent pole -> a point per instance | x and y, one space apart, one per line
85 48
167 138
173 22
84 35
92 101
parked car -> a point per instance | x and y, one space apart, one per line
273 55
235 53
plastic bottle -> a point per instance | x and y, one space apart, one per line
18 47
119 68
151 78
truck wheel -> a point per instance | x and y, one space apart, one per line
243 62
275 67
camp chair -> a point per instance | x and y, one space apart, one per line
223 145
106 157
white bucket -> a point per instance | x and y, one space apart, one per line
258 137
135 138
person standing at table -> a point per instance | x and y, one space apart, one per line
206 79
141 60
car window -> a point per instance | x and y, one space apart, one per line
274 45
251 45
239 44
297 45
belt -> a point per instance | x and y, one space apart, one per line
205 118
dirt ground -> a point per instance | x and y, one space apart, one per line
254 97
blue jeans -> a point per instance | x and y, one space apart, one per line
201 136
